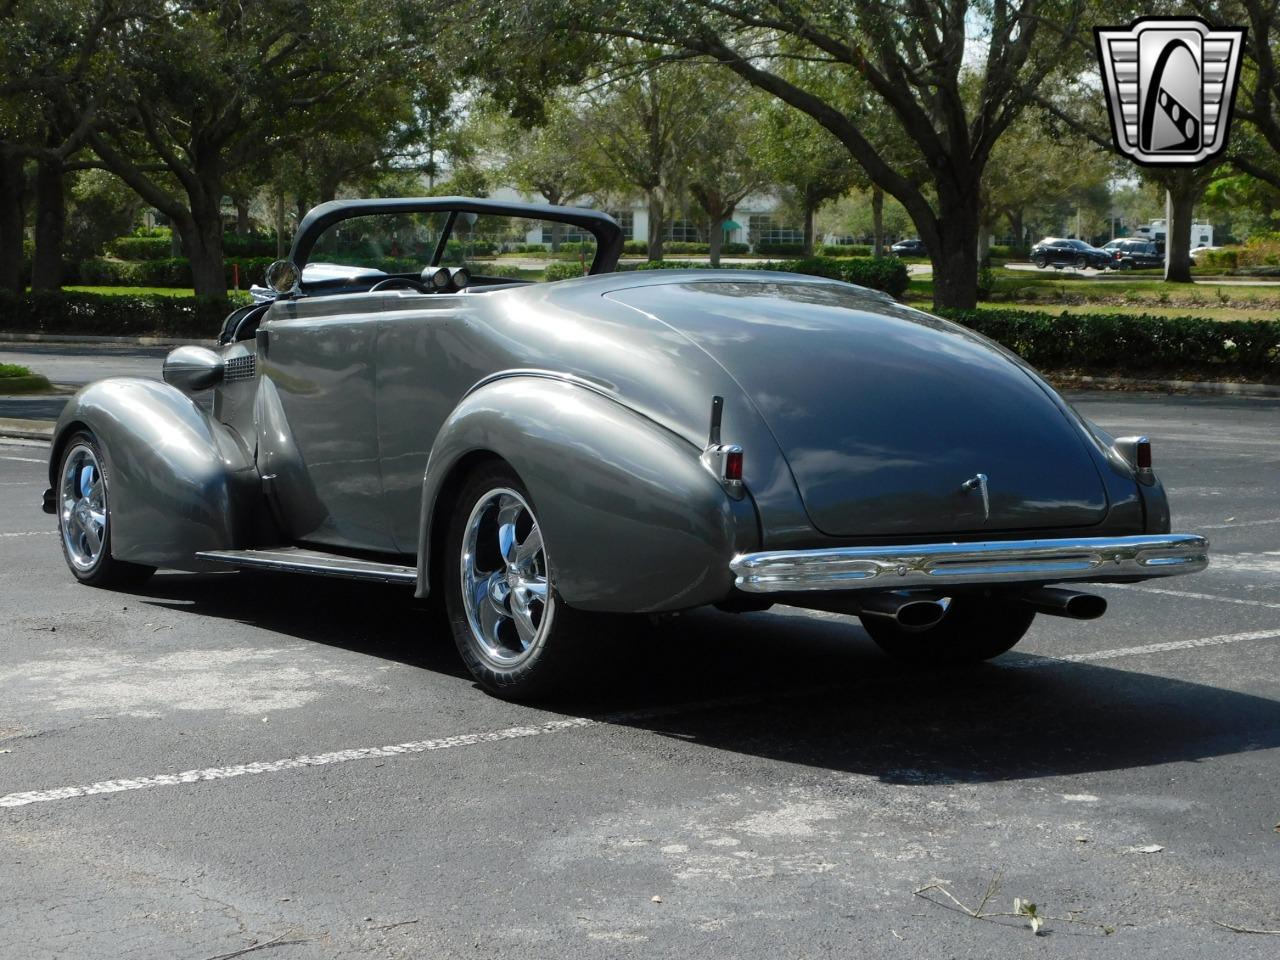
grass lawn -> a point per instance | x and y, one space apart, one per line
134 291
1119 293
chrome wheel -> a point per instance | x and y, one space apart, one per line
82 514
506 592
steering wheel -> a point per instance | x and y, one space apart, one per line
392 283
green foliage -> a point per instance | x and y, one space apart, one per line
562 271
176 271
13 370
1128 343
505 270
779 249
845 250
106 315
731 249
140 248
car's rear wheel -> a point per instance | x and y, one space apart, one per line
84 517
514 632
973 629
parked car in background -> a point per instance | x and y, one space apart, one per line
1195 254
545 455
909 248
1136 254
1057 253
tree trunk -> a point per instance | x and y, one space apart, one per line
810 211
1016 227
953 251
715 236
877 222
242 217
12 219
557 231
1182 201
51 216
202 239
657 224
280 226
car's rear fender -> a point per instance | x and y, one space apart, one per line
179 481
631 519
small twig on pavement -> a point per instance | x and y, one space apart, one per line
398 923
279 941
1235 929
1023 911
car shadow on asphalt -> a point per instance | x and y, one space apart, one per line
789 687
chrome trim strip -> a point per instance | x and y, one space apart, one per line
1086 559
294 560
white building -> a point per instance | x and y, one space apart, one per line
755 220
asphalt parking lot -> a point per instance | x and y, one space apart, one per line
226 761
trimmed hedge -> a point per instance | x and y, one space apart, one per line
169 272
880 273
779 249
161 247
96 314
1131 343
845 250
562 271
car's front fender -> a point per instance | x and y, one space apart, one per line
179 481
631 519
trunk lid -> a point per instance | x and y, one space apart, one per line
887 415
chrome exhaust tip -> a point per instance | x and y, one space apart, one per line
913 613
1065 603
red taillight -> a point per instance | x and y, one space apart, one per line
1142 454
733 465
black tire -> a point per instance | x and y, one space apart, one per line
1081 263
974 629
1040 262
95 567
556 657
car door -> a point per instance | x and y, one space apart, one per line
317 421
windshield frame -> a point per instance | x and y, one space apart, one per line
604 228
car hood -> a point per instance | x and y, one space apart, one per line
884 413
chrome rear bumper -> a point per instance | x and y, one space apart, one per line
939 565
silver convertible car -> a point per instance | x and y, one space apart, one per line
542 456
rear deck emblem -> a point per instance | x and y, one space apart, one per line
979 482
1170 84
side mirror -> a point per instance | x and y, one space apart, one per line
192 368
283 277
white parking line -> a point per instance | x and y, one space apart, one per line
1188 595
1232 526
24 460
29 533
554 726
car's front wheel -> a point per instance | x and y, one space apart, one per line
1081 263
84 517
1040 262
514 632
973 629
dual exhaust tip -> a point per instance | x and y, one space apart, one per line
916 613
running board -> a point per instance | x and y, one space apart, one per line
298 560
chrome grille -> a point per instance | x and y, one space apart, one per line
239 368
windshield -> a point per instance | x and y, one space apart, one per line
489 246
385 242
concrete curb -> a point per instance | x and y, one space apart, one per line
1211 387
92 341
26 429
